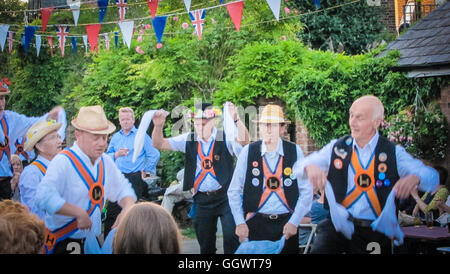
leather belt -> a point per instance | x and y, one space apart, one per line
362 222
273 216
4 178
213 192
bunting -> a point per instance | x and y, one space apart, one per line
85 43
116 39
3 34
107 41
74 45
29 35
45 13
75 7
235 12
187 4
159 24
10 41
275 7
122 7
92 35
62 32
153 6
38 44
198 19
127 31
102 6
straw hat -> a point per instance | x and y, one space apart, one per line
272 114
39 131
93 120
4 86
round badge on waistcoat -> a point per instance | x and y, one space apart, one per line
382 168
255 181
6 142
348 141
255 164
207 164
96 193
287 182
217 157
338 163
292 176
364 180
382 157
255 172
382 176
273 183
20 149
379 183
287 171
387 182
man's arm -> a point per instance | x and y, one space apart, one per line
159 142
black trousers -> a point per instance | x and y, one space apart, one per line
364 241
69 246
208 210
262 228
113 209
5 188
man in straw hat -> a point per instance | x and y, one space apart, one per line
43 137
13 125
266 199
77 182
208 170
362 169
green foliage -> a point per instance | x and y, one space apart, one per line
356 26
171 162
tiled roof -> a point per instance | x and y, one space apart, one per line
427 43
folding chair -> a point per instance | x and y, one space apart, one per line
307 246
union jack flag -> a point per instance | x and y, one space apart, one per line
107 41
122 7
62 32
10 41
198 19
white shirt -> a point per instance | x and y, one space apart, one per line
178 143
29 180
273 205
406 165
62 184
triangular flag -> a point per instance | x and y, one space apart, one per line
153 6
22 39
221 1
198 19
74 45
10 41
50 43
116 38
62 32
38 44
187 3
75 7
127 31
159 24
3 34
122 6
92 34
235 12
317 3
85 43
275 6
107 41
45 12
102 6
29 35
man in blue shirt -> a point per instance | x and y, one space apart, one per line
121 148
12 126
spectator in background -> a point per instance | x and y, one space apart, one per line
121 149
17 171
147 228
316 215
20 231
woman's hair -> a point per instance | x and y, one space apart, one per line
147 228
21 232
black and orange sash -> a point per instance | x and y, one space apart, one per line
42 167
206 162
96 195
5 148
20 148
364 184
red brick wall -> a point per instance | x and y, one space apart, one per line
388 18
303 140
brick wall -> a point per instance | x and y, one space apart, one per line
303 140
388 18
445 108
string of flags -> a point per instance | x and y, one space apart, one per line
197 17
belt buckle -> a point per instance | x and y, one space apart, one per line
273 216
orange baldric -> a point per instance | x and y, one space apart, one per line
40 165
5 148
364 184
206 162
96 193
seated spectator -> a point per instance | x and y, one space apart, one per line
21 232
16 163
315 216
428 201
147 228
174 193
